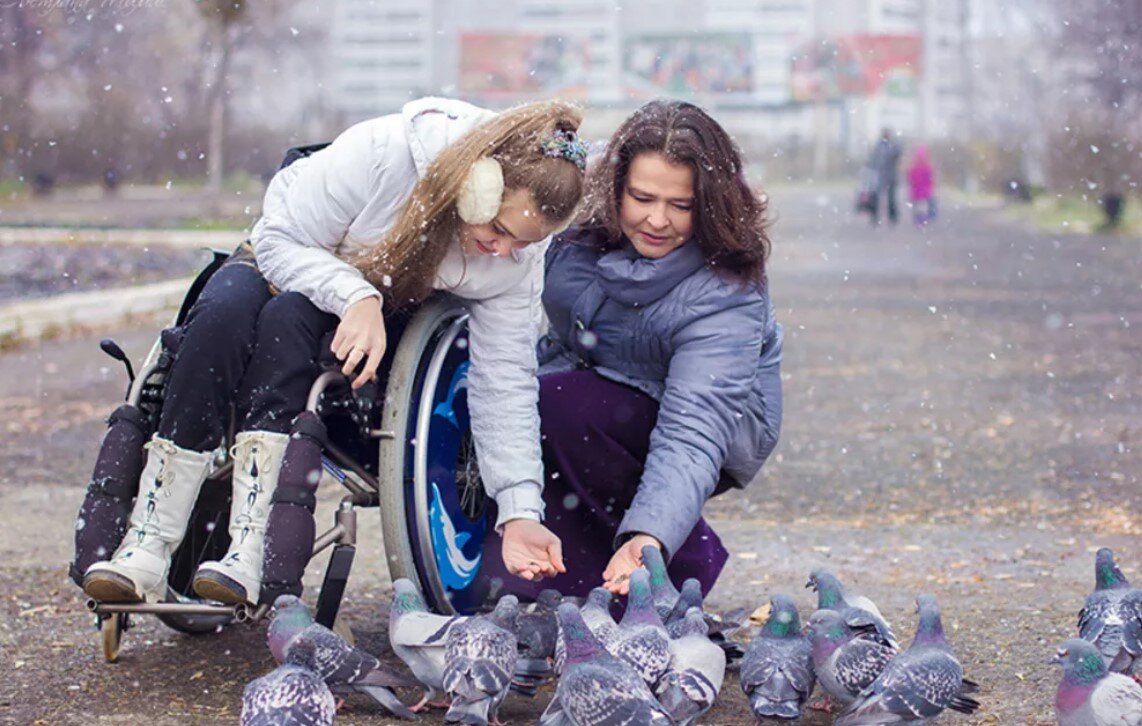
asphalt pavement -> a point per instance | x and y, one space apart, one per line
963 413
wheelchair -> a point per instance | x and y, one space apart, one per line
412 457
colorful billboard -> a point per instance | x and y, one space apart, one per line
685 64
857 65
512 66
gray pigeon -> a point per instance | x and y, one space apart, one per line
1111 618
290 695
662 589
697 669
1089 695
418 637
689 597
846 660
919 683
776 670
480 655
537 632
596 613
340 665
831 595
642 639
596 688
537 628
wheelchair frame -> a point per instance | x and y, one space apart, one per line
438 326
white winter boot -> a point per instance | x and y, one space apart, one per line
237 578
168 488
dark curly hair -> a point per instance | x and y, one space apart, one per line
730 220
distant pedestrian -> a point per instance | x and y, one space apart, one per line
884 159
922 187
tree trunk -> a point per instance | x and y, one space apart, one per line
216 103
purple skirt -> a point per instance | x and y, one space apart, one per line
596 435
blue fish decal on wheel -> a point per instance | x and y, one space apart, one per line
458 383
457 570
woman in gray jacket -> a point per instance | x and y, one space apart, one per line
660 373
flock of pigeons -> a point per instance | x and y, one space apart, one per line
664 661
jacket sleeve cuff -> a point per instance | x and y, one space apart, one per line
521 501
633 523
363 291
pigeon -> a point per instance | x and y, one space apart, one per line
689 597
663 590
831 595
596 688
776 670
697 669
537 629
1111 617
1089 694
919 683
596 613
340 665
292 694
481 654
846 659
419 637
642 640
717 628
537 632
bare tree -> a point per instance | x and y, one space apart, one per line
226 21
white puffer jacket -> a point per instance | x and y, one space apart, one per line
330 206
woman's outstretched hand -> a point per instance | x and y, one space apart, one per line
628 558
361 337
531 550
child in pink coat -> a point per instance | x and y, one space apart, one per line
921 187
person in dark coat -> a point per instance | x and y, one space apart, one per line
884 160
660 373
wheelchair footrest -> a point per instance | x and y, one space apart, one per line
333 586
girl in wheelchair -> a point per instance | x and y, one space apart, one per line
660 376
441 196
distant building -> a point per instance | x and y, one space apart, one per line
829 72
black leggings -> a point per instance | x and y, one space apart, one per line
242 346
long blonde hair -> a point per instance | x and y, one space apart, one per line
404 264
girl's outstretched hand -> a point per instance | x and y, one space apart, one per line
628 558
361 337
531 550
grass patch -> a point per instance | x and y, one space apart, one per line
1076 214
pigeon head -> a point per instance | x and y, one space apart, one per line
693 624
830 591
506 612
600 597
549 599
580 644
406 598
783 621
640 601
930 629
827 625
291 616
691 592
1107 576
1081 661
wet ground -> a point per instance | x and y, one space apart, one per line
32 271
962 417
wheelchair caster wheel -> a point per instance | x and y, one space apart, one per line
111 628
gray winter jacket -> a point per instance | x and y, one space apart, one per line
706 347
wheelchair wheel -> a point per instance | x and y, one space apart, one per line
433 507
111 629
206 539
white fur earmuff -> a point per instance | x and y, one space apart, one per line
483 190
